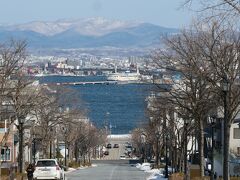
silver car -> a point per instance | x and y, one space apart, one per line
48 169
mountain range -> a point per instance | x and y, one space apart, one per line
86 33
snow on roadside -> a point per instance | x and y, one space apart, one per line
70 170
81 167
155 174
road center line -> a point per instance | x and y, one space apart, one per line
111 175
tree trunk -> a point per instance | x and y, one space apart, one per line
226 134
84 159
186 172
226 151
201 148
20 155
89 157
76 152
157 153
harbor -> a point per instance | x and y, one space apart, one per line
117 106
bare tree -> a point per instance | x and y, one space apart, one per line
193 92
220 5
205 57
16 89
212 9
222 52
48 116
12 58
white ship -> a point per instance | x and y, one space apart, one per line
124 76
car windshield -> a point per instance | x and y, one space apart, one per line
45 163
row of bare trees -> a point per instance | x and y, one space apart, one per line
205 58
52 114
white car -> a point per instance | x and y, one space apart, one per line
122 157
48 169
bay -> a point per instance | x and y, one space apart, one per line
118 107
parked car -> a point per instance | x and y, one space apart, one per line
109 146
122 157
116 146
106 153
48 169
128 148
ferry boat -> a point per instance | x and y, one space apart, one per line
124 76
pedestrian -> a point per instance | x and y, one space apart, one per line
215 175
30 170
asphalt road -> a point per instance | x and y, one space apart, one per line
115 153
108 170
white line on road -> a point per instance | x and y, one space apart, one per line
111 175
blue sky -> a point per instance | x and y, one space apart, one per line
162 12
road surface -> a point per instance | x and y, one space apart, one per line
115 153
108 170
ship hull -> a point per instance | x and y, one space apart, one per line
123 77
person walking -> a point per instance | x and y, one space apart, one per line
30 170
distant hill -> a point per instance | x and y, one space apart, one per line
86 33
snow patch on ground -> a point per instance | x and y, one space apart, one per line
70 170
79 168
119 136
154 174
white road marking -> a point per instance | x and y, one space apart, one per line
111 175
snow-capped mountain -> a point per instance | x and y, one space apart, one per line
91 26
90 32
